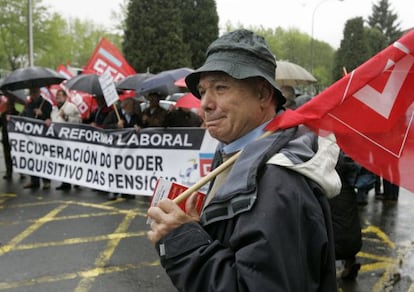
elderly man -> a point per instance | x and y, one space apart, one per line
265 225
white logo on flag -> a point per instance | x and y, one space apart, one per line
383 102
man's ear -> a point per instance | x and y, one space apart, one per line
266 92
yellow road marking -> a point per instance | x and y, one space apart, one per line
5 197
20 237
70 276
86 283
79 240
380 234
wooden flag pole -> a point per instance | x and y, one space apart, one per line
40 107
116 112
184 195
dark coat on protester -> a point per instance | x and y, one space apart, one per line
268 230
111 120
345 214
181 118
41 103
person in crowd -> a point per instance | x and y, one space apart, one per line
289 93
365 181
37 107
389 191
129 118
154 115
64 112
266 223
182 117
345 218
98 115
10 110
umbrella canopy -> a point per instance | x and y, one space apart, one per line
291 74
163 82
133 82
188 101
88 83
31 77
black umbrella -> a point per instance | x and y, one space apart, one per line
31 77
163 82
88 83
133 82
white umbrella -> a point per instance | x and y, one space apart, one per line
288 73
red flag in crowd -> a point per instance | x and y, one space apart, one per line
106 56
371 111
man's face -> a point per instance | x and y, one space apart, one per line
34 92
232 107
154 100
128 106
60 98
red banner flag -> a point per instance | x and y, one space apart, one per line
106 56
371 111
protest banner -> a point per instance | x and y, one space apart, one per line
120 161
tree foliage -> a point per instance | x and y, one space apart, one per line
14 42
294 46
161 35
55 40
200 27
361 42
354 49
154 36
385 20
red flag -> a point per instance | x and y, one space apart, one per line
106 56
64 71
371 112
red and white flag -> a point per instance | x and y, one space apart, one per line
108 57
371 111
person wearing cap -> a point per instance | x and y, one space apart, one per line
265 224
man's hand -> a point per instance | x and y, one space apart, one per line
167 216
38 112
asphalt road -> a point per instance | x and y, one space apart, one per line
78 241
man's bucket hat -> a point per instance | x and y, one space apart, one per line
241 54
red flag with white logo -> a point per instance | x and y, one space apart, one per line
107 56
371 111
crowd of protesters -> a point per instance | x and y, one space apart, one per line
130 112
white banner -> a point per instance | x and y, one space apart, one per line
120 161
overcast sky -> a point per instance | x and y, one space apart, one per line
327 17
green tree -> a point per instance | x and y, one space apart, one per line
376 40
354 48
14 28
55 40
294 46
153 36
200 27
385 20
